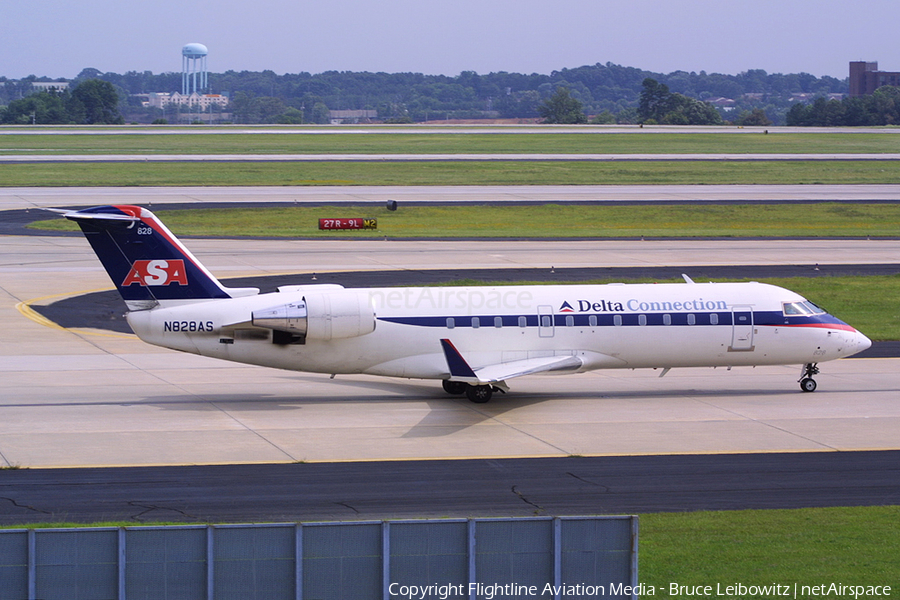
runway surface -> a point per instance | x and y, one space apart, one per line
27 198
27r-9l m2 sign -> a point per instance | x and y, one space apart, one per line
328 224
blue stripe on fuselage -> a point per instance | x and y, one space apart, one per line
761 318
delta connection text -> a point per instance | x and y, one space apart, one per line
514 298
489 591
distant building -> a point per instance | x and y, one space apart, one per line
46 86
193 100
865 78
337 117
720 102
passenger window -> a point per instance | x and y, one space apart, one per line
691 319
592 320
667 319
476 322
617 320
642 320
570 321
714 319
451 322
523 322
498 322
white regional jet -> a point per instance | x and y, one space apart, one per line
473 339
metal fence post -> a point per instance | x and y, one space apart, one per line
298 561
32 565
386 560
557 556
210 564
472 568
121 563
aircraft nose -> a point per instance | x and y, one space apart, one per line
855 342
862 342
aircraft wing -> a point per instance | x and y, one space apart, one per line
497 373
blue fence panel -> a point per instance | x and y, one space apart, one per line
429 553
77 564
342 561
165 563
254 563
598 552
518 552
14 565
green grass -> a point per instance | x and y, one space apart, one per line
588 141
542 221
813 546
446 173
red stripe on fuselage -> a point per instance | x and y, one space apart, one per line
841 326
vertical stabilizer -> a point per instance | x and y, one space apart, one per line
146 262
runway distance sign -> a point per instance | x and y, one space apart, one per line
329 224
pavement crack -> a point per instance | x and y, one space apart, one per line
605 488
25 506
148 508
540 509
345 505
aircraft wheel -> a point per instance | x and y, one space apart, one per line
808 384
454 387
479 394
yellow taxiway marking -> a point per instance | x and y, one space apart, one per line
25 309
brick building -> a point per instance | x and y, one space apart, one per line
865 78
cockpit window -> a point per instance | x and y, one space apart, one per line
814 309
804 308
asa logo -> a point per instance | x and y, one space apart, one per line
156 272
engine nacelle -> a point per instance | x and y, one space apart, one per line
331 316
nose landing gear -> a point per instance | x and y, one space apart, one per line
807 383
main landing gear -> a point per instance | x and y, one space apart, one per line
807 383
478 394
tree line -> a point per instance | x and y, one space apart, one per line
880 108
605 92
90 102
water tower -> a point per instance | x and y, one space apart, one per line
193 64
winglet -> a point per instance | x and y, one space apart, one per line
459 368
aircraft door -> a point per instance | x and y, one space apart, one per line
742 329
545 321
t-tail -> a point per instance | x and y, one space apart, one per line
146 262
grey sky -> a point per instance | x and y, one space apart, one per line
58 38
